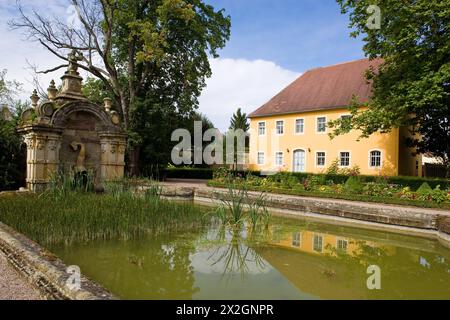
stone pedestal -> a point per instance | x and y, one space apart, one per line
113 147
43 146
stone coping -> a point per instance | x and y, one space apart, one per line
43 270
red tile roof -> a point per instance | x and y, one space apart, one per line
322 89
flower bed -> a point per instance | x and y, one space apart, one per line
354 188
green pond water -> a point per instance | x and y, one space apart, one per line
293 259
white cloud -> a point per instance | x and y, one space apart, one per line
239 83
17 51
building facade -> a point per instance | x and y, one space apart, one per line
290 133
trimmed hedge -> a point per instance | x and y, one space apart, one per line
188 173
351 197
198 173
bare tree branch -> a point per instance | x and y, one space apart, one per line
53 69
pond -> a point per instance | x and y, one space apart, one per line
292 259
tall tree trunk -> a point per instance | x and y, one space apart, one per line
125 111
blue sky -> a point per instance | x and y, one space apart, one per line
295 34
272 43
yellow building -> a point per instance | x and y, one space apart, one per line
289 133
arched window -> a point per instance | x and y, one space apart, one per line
375 159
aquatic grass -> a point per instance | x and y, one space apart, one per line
86 217
63 182
231 210
257 212
237 207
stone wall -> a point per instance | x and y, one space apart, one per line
44 271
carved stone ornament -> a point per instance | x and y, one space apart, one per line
27 115
113 149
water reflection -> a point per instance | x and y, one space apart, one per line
290 260
334 265
235 253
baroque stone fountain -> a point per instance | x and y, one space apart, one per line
69 133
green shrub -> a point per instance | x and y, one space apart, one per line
353 185
438 195
353 171
188 173
424 188
333 169
415 182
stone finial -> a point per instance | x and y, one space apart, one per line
52 91
108 104
71 88
74 57
34 99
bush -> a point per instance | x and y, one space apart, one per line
354 185
335 169
439 195
415 182
424 188
203 173
12 157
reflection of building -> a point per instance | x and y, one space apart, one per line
315 242
290 132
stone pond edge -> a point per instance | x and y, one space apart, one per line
44 271
430 223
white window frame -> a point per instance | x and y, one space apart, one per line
295 126
264 158
265 128
349 159
276 127
345 115
299 240
313 247
282 158
337 244
370 159
317 124
316 164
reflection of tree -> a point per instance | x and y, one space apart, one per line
236 254
157 268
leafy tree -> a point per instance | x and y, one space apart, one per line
153 121
12 152
412 88
239 121
8 89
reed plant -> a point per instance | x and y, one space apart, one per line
63 182
87 216
238 207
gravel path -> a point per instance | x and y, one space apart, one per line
12 286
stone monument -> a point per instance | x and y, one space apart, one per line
69 133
